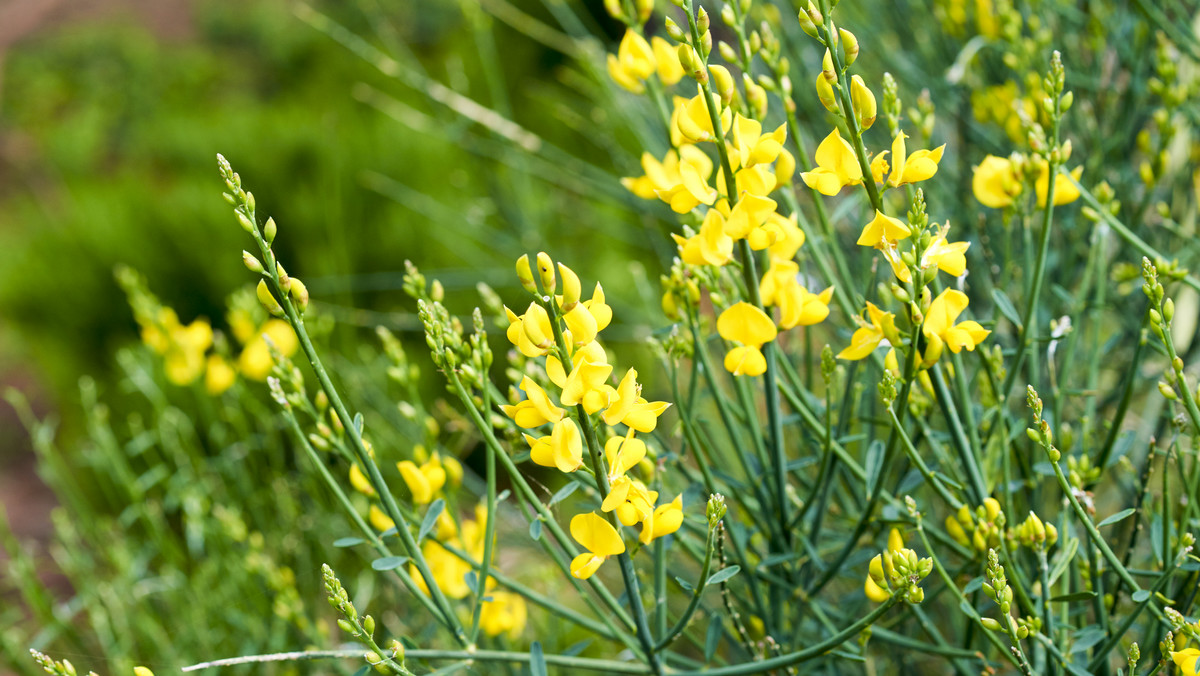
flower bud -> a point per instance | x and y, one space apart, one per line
644 9
246 223
756 96
268 301
572 289
251 263
546 272
825 94
269 230
865 109
702 21
727 51
849 45
674 31
613 7
299 293
990 624
368 624
827 69
525 274
723 84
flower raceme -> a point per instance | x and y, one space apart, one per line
634 61
997 182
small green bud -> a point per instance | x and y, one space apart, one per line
990 624
674 31
346 626
270 230
251 263
368 624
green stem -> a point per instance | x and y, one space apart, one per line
695 600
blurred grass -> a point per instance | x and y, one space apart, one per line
110 135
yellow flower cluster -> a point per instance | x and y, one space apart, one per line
976 529
1188 661
838 165
998 181
187 353
896 570
584 388
636 60
681 180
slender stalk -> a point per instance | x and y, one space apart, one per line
468 656
694 602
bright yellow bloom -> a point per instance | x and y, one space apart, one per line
536 410
664 176
995 182
883 231
786 237
751 327
1188 661
692 120
633 62
142 671
359 481
599 309
630 408
837 166
562 448
531 332
949 257
1065 191
255 361
666 56
382 522
587 384
919 166
623 454
751 146
425 481
600 540
666 520
182 347
879 325
692 188
503 612
631 499
879 167
939 323
219 376
748 215
785 168
797 306
710 246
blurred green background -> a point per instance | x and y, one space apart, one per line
109 127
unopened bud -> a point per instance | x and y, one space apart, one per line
674 31
546 272
849 45
865 109
299 293
270 230
268 301
525 274
825 94
571 288
251 263
723 83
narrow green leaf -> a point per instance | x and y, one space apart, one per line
431 517
1119 516
535 529
687 586
389 562
537 661
1077 596
358 423
713 637
1005 306
348 542
563 493
1140 596
724 574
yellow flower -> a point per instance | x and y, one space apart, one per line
562 448
142 671
600 540
837 166
183 358
797 306
751 327
879 167
503 612
599 309
666 56
787 237
710 246
630 408
883 231
919 166
425 481
664 176
939 323
449 571
748 215
1065 191
255 361
633 62
587 384
949 257
692 188
666 520
751 146
382 522
864 341
995 182
881 569
623 454
219 376
536 410
359 481
631 499
692 121
1188 661
531 332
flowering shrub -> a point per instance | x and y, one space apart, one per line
838 471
